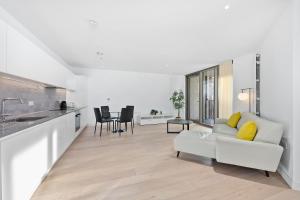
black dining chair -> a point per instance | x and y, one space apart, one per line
100 119
131 110
106 116
124 118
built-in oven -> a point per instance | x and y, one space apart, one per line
77 121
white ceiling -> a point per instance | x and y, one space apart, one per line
160 36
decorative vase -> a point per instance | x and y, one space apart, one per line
178 115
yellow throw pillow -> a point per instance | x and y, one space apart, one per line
234 120
247 131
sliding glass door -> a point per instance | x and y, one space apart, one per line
208 95
202 93
193 91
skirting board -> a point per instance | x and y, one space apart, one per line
296 186
284 174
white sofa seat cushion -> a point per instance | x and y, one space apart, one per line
267 131
196 142
224 129
259 155
220 121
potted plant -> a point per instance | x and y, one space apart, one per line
178 101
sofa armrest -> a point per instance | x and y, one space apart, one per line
220 121
258 155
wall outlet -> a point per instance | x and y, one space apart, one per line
31 103
284 143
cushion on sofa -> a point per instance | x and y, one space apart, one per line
244 118
267 131
234 119
224 129
247 131
196 142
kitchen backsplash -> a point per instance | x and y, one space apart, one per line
36 96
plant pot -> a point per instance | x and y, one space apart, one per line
178 115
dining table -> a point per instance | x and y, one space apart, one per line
116 130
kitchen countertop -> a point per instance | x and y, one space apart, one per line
11 127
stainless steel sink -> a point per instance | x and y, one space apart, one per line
29 119
25 119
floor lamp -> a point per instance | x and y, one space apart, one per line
246 94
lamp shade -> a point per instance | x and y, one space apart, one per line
243 96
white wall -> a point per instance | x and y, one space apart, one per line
276 80
243 77
280 85
296 94
145 91
280 94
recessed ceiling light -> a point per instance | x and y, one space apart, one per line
226 7
93 22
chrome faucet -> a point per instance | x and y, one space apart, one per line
3 115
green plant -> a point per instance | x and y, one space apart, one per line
178 100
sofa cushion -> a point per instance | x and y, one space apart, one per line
234 119
196 142
244 118
267 131
224 129
247 131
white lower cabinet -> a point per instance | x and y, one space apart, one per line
83 118
154 119
28 156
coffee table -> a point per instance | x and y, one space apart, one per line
179 121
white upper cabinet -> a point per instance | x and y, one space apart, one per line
2 46
27 60
19 56
71 81
79 94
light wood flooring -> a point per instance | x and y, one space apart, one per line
144 166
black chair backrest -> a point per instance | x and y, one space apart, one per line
131 111
105 112
125 115
98 115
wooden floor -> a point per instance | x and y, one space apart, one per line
144 166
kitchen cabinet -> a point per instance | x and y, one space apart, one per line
83 119
2 46
84 115
71 82
79 94
21 57
27 60
27 156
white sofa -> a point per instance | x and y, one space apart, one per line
263 153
